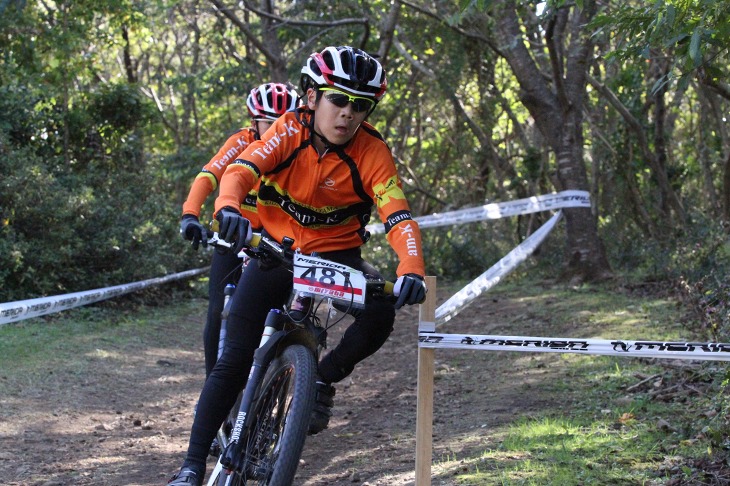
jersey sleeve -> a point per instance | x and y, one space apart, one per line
203 185
250 211
207 180
240 178
259 157
402 232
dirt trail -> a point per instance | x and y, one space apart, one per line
121 414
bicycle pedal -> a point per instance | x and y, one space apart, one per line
215 449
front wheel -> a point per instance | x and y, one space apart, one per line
281 415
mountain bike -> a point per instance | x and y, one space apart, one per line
263 437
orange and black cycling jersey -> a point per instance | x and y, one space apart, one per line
207 180
324 202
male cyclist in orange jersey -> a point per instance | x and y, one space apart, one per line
265 103
320 170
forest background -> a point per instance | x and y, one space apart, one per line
109 108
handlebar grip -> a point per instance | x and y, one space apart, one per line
388 288
215 240
255 240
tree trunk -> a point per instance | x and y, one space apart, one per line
557 110
726 189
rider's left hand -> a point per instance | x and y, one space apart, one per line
410 289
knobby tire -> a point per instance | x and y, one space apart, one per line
281 414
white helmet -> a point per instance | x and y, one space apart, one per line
271 100
347 68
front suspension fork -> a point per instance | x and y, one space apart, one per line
273 333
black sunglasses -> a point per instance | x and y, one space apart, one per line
340 100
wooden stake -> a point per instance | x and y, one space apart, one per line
424 404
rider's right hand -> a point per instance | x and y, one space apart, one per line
233 228
191 229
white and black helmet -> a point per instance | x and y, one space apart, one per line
347 68
271 100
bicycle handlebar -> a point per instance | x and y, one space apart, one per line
282 252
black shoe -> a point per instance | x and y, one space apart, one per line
186 477
323 402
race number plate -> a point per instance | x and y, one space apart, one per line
328 279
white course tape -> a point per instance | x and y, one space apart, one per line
547 202
493 275
25 309
647 349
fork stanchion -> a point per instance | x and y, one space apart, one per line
424 404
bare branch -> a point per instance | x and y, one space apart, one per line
422 68
638 130
387 31
308 23
722 89
484 138
439 18
243 28
553 50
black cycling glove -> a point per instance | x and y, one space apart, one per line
410 289
233 228
191 229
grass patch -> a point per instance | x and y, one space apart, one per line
570 451
68 338
602 435
621 420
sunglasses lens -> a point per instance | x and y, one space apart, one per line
361 104
339 100
358 104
